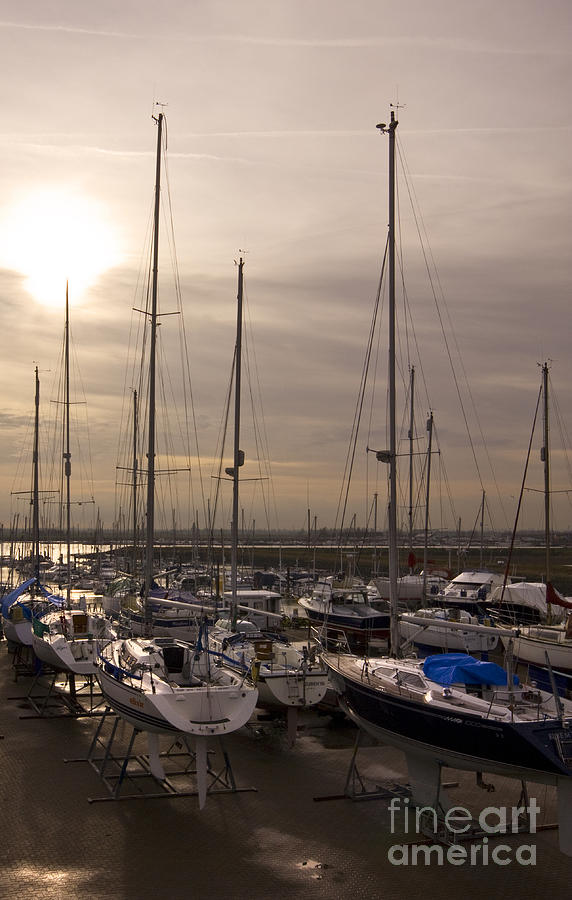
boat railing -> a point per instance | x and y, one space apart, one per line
521 701
118 672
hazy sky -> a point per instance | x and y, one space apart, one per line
272 148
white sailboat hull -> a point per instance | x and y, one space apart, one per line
444 638
61 655
531 648
283 674
18 632
208 710
213 701
278 690
58 641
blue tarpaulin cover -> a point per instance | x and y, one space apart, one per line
10 598
56 599
458 668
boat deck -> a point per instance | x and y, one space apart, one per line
276 841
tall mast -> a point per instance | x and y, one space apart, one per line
35 482
67 465
427 495
67 450
411 426
238 454
545 457
392 456
375 533
134 486
152 366
482 528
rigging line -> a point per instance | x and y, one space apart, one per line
221 444
350 458
489 514
56 435
475 526
166 382
348 468
167 486
78 378
409 326
186 360
410 318
372 408
258 445
408 315
134 366
564 437
417 218
184 343
23 458
445 476
260 432
402 273
136 326
515 526
135 372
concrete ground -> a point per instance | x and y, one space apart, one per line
294 835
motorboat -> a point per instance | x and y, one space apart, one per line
342 611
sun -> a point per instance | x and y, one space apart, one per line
54 236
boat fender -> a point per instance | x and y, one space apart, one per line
255 670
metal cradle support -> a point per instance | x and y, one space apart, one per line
356 788
128 775
62 694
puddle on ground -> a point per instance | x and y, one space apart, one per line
313 866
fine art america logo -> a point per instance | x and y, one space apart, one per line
458 824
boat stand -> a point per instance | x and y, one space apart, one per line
64 695
24 661
436 829
121 767
356 788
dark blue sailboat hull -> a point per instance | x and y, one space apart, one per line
519 749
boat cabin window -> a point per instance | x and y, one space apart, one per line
411 680
174 657
129 661
385 671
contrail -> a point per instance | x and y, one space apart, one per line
336 43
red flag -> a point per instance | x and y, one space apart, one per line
552 596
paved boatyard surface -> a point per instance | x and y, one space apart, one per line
277 841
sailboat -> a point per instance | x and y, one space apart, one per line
547 643
450 709
30 598
414 589
286 677
164 685
69 639
174 612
